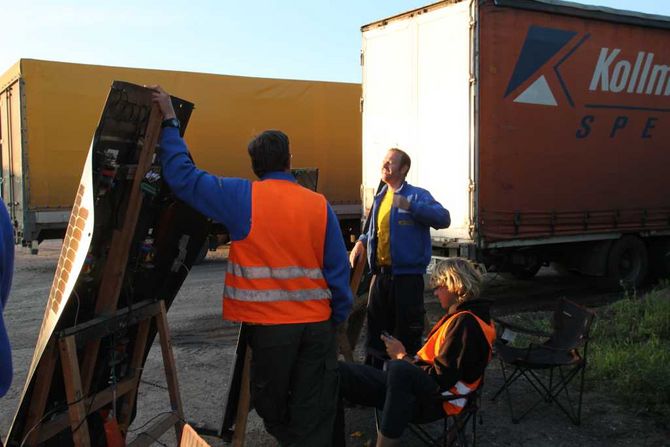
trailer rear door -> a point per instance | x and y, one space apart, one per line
416 96
10 151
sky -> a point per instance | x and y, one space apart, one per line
288 39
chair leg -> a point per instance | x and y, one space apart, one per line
539 386
474 429
574 415
549 394
565 381
505 386
454 430
506 381
581 394
461 428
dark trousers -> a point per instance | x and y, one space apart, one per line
294 381
404 393
395 304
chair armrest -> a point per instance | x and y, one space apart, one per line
520 329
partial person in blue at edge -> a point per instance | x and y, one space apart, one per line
6 270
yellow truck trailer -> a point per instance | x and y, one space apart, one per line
49 110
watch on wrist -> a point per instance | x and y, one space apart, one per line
171 122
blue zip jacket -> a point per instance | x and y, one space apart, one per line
410 230
228 201
6 271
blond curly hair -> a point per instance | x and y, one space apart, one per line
460 276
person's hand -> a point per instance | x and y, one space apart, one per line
400 201
358 250
161 98
394 347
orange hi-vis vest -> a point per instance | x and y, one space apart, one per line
275 274
432 348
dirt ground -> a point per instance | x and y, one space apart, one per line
204 345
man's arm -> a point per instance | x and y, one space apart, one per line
226 200
336 269
429 211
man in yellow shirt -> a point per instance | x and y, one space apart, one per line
398 248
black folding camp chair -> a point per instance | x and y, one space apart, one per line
549 366
454 430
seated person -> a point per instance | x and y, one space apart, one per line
451 362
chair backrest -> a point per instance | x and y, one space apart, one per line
571 325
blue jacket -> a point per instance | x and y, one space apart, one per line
410 230
6 271
228 201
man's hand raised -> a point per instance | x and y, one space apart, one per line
162 99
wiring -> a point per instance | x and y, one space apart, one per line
156 385
57 409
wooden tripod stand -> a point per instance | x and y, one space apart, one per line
80 406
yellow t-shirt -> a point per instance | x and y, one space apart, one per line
384 230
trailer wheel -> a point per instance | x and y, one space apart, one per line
627 262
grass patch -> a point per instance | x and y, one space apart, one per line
630 351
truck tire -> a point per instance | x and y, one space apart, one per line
627 262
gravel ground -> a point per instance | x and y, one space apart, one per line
204 346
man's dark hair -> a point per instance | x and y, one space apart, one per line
404 158
269 152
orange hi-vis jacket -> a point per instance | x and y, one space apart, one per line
275 274
432 348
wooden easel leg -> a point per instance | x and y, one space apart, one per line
74 393
357 315
170 369
38 399
244 402
135 363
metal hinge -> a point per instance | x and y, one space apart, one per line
471 185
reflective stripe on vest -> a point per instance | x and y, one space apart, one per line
432 348
275 274
269 272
